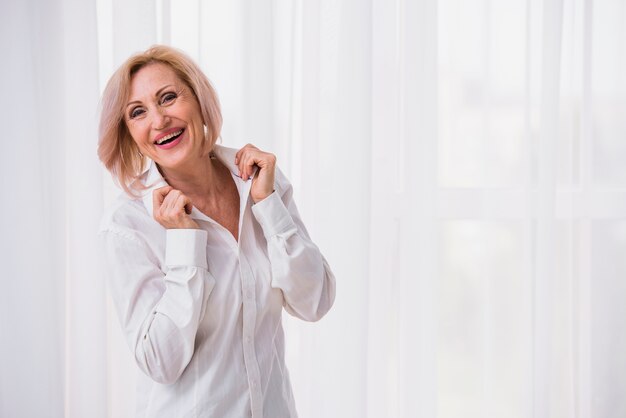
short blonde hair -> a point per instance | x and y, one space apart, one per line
116 148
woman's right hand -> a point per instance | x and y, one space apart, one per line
171 208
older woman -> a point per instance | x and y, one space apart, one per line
203 250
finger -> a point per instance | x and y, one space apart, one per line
262 160
254 159
169 204
238 160
163 210
244 163
161 192
183 204
243 150
158 195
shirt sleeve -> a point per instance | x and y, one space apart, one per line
298 267
159 307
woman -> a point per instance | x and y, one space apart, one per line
203 250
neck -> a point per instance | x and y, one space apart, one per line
199 178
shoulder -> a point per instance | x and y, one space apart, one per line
125 216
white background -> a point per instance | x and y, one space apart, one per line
459 163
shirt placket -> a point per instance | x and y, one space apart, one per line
249 323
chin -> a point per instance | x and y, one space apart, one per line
176 162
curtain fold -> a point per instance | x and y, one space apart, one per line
31 219
545 228
52 358
85 309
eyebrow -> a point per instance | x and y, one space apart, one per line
155 94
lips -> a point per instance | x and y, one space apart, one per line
169 139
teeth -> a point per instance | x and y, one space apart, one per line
166 137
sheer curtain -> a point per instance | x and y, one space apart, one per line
52 318
459 164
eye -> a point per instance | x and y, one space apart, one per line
137 111
168 97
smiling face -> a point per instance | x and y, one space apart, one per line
163 117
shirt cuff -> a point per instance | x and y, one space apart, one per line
186 247
272 215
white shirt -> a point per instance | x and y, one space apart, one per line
201 311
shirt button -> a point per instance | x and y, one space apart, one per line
250 295
248 339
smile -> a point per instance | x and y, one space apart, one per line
171 137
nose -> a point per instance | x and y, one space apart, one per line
160 119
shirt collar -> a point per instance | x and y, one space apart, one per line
154 179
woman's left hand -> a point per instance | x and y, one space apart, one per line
263 183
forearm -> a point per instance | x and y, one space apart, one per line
160 310
165 344
298 267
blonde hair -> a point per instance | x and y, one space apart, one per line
116 148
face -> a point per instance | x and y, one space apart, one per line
163 117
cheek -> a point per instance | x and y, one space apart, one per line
138 133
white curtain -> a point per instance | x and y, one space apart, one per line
460 164
52 316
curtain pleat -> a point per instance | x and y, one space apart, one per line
545 229
31 215
53 323
85 308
